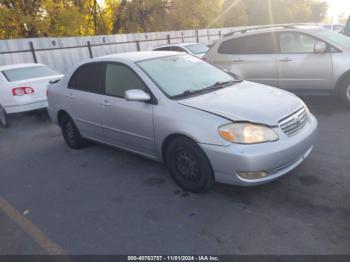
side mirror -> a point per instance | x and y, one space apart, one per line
320 48
137 95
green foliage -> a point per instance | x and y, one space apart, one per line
29 18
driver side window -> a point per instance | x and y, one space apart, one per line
294 43
120 78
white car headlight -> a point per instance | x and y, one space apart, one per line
247 133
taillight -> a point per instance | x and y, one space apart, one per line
21 91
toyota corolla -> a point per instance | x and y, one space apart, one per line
206 125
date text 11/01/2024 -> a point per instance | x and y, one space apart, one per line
173 258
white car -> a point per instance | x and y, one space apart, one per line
195 49
24 88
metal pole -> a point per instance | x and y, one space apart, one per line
90 50
197 35
168 38
138 45
32 49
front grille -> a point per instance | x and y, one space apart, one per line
294 123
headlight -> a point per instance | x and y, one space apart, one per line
305 106
247 133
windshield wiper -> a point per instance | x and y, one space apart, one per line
216 86
186 93
222 84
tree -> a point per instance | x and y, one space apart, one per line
234 13
259 12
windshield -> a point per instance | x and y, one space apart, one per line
177 74
26 73
197 49
335 37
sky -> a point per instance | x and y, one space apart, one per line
338 7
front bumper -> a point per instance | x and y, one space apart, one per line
276 158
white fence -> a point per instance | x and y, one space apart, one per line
62 53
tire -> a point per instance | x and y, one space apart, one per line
71 133
3 117
189 166
344 92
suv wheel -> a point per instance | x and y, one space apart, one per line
344 92
189 166
71 133
3 117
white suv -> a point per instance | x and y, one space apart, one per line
298 58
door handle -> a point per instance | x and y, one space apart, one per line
105 104
286 59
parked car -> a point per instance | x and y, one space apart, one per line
204 124
335 27
346 30
301 59
195 49
23 88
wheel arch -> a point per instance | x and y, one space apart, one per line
340 80
60 114
168 140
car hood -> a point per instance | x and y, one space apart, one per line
247 101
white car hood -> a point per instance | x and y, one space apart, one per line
247 101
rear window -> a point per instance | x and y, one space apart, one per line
197 49
255 44
25 73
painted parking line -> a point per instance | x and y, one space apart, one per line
35 233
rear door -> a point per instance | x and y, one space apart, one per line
252 57
300 68
85 97
127 124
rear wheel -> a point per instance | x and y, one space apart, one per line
71 133
3 117
344 92
189 166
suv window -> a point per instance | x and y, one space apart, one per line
295 43
89 78
254 44
120 78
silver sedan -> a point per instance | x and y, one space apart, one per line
207 126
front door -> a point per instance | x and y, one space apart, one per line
299 66
252 58
127 124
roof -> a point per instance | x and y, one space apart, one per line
273 28
137 56
15 66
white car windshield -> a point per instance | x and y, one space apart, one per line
25 73
184 75
335 37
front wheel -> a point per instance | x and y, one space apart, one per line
3 117
71 133
189 166
344 92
